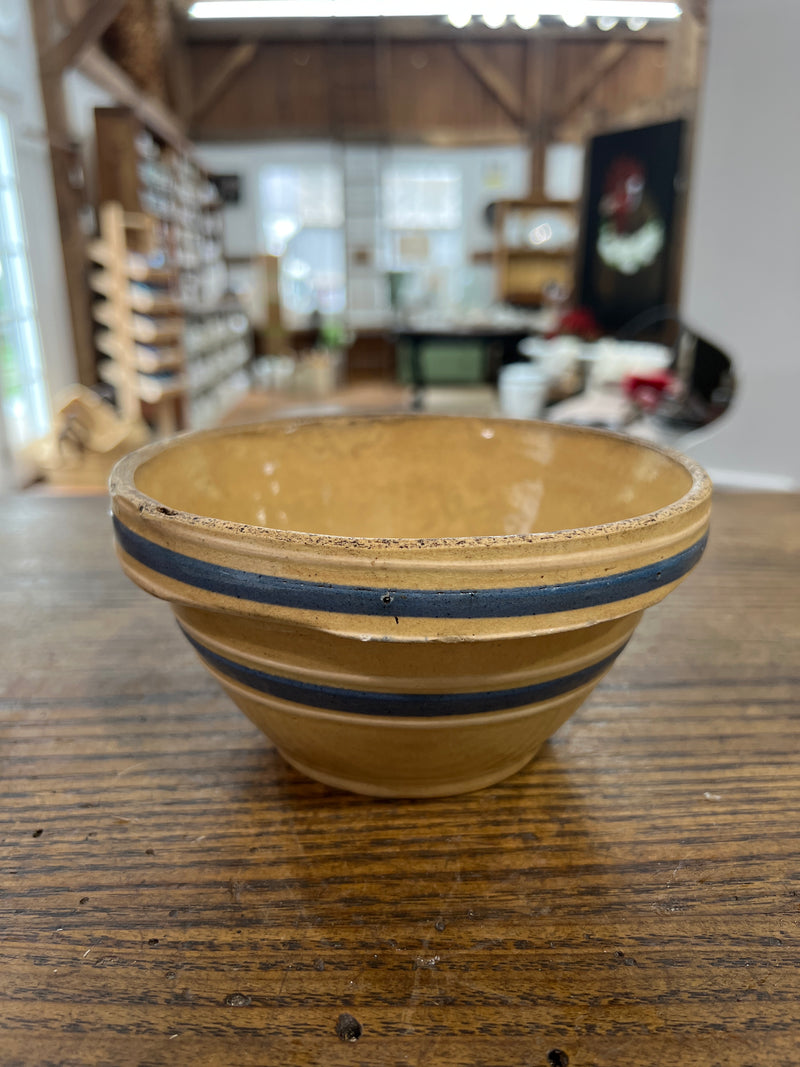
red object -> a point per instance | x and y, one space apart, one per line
623 192
579 322
647 390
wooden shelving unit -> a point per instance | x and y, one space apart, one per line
187 339
140 319
526 269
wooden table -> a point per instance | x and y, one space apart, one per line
172 893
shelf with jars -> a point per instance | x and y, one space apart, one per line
160 273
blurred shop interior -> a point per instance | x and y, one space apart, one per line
220 212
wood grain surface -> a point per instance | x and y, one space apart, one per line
172 893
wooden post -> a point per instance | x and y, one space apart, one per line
538 80
276 334
69 198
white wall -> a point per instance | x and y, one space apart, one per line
742 270
20 99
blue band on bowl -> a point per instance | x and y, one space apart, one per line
504 603
415 705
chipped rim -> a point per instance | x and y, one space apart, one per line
122 486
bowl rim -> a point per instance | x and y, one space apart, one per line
122 486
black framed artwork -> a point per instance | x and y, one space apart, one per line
229 187
628 243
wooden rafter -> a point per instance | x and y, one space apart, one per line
88 57
606 60
176 64
493 80
104 72
83 34
224 76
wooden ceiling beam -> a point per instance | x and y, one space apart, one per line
493 80
83 34
176 66
440 138
606 60
224 76
413 29
104 72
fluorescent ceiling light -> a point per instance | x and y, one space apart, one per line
606 23
527 18
573 16
459 18
320 9
636 23
494 17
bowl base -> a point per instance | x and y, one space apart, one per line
416 790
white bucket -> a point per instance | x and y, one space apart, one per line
523 391
556 356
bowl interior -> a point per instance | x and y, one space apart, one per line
413 477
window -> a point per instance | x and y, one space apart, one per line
22 389
302 218
299 197
423 239
422 215
422 197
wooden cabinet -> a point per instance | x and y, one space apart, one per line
535 247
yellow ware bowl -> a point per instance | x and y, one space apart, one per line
408 606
